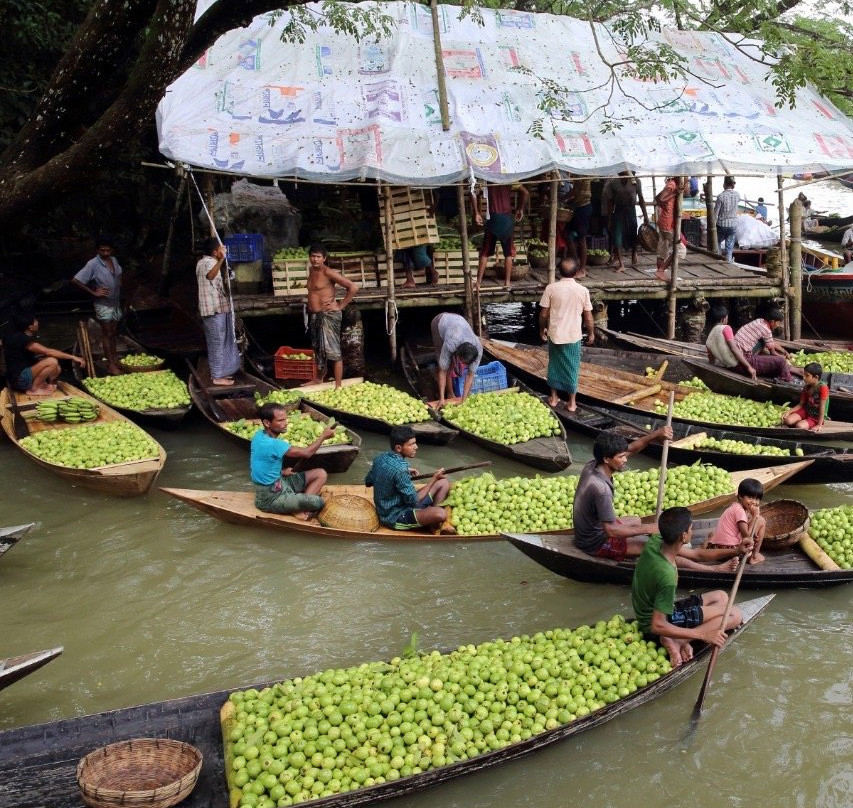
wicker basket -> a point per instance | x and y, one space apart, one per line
517 272
349 512
648 238
141 368
597 260
786 520
151 772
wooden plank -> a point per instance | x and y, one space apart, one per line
636 395
689 441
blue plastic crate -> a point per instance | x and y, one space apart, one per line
491 376
245 247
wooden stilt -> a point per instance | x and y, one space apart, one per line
466 261
552 229
710 218
796 214
390 302
783 257
672 297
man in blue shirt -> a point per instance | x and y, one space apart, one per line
278 487
398 504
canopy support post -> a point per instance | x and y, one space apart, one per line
672 297
170 236
390 302
552 230
710 217
783 257
466 260
796 214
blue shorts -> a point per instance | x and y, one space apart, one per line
687 612
25 381
408 519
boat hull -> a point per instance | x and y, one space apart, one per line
10 536
39 762
16 668
122 480
787 569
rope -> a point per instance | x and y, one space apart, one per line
392 316
227 274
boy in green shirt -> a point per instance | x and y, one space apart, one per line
674 623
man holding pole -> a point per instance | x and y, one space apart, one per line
666 225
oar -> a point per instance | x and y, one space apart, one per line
664 455
455 469
700 701
214 409
18 420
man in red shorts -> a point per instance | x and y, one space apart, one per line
598 531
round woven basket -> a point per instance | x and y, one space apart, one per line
648 238
786 519
597 260
537 261
142 368
518 271
349 512
155 772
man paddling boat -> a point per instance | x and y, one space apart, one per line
598 531
279 488
662 618
398 504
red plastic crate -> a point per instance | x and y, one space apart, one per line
286 368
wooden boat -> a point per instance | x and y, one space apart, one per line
222 405
121 479
432 431
628 392
828 299
163 417
723 380
643 342
10 536
548 454
783 569
15 668
829 463
40 761
164 328
238 507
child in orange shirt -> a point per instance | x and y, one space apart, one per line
733 527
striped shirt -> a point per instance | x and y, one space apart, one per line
725 208
754 337
211 293
393 490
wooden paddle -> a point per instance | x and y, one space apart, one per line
455 469
85 347
697 708
18 421
664 455
214 409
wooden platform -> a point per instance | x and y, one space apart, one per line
698 274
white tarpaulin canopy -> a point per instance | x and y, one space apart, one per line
332 108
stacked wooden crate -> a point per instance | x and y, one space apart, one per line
290 275
412 220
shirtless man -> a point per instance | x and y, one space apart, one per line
324 312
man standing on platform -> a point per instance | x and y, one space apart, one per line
666 226
101 278
325 312
564 304
619 206
581 201
725 214
500 225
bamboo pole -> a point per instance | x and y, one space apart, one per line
466 260
439 67
552 230
711 231
796 214
170 236
783 257
208 200
390 303
672 297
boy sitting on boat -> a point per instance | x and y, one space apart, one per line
674 623
814 401
598 531
399 505
279 488
734 531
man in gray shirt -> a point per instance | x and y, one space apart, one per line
456 344
598 531
725 214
